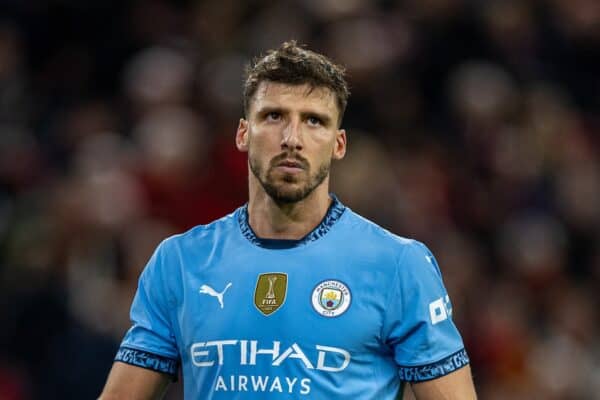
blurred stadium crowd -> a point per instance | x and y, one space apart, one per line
473 126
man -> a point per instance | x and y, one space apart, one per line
293 295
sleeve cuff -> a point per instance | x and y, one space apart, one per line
147 360
435 370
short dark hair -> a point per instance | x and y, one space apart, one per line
295 65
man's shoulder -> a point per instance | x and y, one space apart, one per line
362 237
357 224
373 236
412 257
214 230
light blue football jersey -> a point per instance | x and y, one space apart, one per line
351 311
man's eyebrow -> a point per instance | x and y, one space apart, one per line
326 119
268 109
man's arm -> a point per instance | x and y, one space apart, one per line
128 382
457 385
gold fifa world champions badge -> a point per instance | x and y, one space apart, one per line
270 292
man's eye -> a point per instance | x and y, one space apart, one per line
273 116
314 121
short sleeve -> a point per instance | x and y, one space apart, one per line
150 342
418 326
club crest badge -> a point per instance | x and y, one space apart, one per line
331 298
270 292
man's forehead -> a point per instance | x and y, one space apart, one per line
268 92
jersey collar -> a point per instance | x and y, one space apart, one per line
335 211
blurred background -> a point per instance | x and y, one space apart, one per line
473 126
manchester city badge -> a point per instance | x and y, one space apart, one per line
331 298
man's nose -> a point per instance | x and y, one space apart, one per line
292 136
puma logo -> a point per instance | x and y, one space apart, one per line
205 289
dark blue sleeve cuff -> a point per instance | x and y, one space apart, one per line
147 360
436 369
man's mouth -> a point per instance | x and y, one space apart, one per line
290 166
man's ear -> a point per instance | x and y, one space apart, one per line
241 136
339 149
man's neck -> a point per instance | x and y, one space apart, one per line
291 221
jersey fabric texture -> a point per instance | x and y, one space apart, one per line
351 311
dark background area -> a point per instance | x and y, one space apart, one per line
473 127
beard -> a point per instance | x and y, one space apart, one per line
288 188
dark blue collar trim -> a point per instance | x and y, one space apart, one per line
335 211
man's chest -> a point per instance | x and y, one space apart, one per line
247 308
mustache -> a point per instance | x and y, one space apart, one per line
287 157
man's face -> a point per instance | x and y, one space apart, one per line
291 136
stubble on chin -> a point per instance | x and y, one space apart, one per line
289 189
